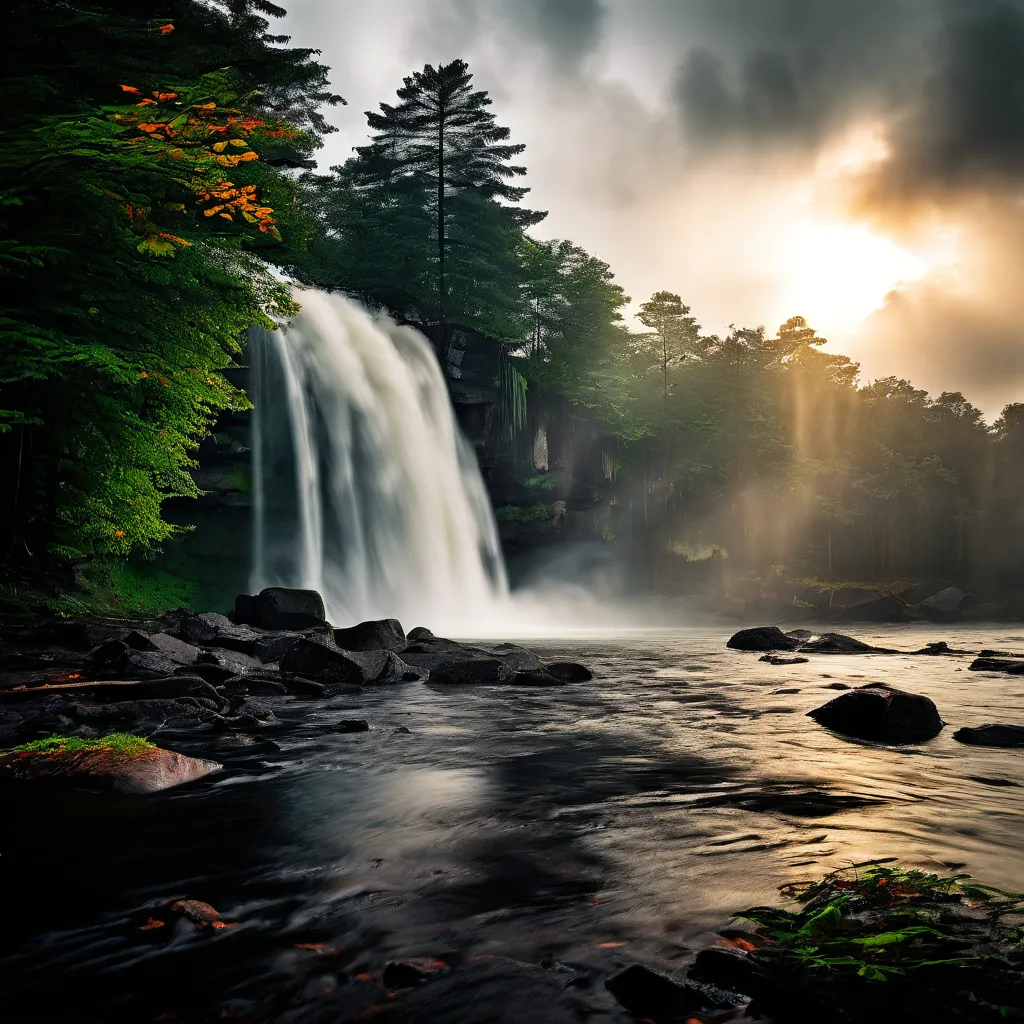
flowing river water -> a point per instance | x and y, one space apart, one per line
592 825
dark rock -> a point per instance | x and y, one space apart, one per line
645 993
373 635
877 608
918 592
246 610
272 646
203 628
236 638
1013 668
800 634
940 647
992 736
762 638
837 686
519 659
135 716
837 643
165 644
986 780
308 687
450 662
419 633
792 689
945 606
219 666
323 661
351 725
775 659
286 608
881 713
412 971
401 731
731 970
569 672
535 677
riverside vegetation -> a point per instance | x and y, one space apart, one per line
156 170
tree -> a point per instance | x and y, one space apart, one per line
434 183
140 194
676 334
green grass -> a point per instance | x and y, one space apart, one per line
121 743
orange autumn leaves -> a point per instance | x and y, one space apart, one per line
190 133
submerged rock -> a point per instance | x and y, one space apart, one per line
351 725
373 635
763 638
838 643
775 659
992 736
412 971
569 672
881 713
1010 667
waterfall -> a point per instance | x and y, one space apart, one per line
363 486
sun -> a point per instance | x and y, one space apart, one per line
835 272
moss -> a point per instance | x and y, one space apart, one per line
119 743
518 514
542 484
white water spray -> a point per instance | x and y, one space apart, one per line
364 487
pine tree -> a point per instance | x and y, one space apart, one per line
441 146
675 332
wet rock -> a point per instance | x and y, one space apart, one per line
838 643
259 682
351 725
401 731
419 633
324 662
837 686
762 638
791 689
219 666
103 770
519 659
992 736
169 917
281 608
878 608
731 970
373 635
536 677
163 643
134 716
203 628
881 713
646 993
412 971
450 662
775 659
570 672
236 638
1010 667
945 606
940 647
273 645
800 634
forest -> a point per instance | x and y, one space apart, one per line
159 189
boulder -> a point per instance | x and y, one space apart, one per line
272 645
776 659
876 608
281 608
992 736
373 635
569 672
325 662
536 677
940 647
881 713
519 659
945 606
106 770
451 662
219 666
419 633
731 970
351 725
837 643
165 644
646 993
203 628
762 638
1009 666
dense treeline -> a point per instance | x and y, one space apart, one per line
155 168
145 178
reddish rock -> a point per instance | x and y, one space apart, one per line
107 771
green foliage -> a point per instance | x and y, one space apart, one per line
140 193
514 388
879 921
121 744
522 514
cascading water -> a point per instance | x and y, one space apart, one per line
364 487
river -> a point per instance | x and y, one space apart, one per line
595 825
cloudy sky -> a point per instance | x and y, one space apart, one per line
859 163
